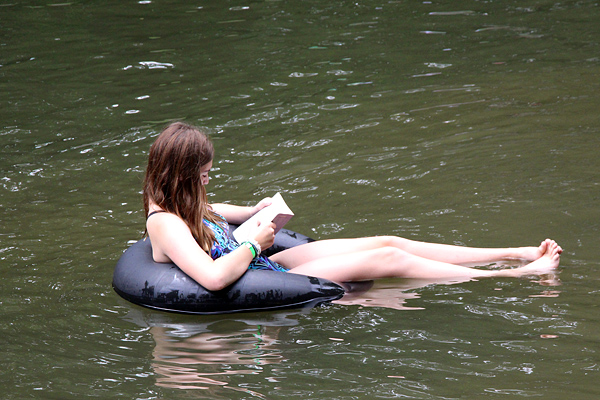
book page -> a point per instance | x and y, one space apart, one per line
278 212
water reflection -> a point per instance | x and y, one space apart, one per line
395 293
207 359
385 294
206 352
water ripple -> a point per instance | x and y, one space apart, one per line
333 107
150 65
511 315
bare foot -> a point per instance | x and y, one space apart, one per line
534 253
545 264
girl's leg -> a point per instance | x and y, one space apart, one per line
461 254
433 251
388 262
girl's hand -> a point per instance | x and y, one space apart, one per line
267 201
265 235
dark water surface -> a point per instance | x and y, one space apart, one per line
465 122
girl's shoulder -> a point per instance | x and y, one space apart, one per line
151 213
164 222
167 231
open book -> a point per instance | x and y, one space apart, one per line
278 212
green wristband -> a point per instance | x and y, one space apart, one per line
251 247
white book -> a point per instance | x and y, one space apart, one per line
278 212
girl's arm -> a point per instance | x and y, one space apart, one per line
239 214
172 240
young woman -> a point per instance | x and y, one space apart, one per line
186 230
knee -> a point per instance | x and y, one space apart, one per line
392 241
390 255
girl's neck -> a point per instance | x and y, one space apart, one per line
153 207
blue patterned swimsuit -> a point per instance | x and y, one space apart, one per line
224 244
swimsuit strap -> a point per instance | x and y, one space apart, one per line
154 212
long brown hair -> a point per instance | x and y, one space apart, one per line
173 179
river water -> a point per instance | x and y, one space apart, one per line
466 122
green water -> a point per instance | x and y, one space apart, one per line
466 122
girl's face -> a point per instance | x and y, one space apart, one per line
204 178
